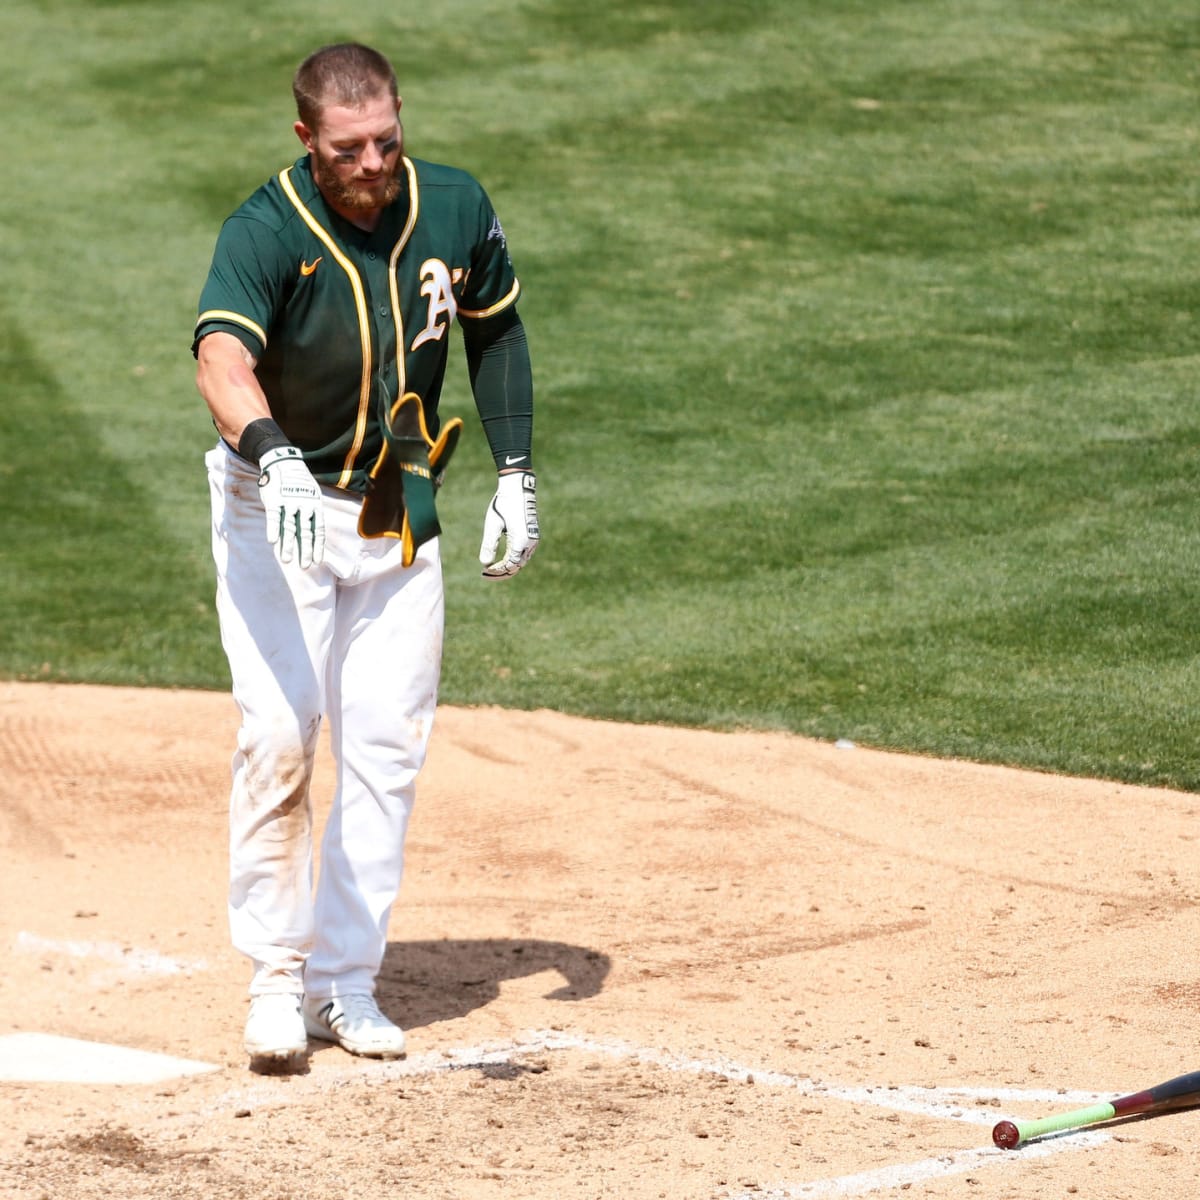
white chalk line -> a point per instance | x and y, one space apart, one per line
913 1101
940 1103
885 1178
128 960
920 1101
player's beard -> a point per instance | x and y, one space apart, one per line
351 195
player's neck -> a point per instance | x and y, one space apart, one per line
365 219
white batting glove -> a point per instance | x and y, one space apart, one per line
292 498
512 513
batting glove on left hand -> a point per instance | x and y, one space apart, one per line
512 513
292 498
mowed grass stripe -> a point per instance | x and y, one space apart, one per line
863 336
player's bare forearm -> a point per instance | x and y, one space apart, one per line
225 378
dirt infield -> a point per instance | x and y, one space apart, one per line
633 961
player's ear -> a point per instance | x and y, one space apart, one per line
304 134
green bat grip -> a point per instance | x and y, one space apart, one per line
1081 1116
1010 1134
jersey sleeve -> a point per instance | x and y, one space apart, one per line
245 284
492 286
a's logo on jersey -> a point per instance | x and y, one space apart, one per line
437 287
307 268
496 233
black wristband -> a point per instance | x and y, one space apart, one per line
260 436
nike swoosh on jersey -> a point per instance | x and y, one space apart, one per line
308 268
509 460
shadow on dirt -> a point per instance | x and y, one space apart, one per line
425 982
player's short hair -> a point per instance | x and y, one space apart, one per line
346 73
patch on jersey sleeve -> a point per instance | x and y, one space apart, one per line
496 233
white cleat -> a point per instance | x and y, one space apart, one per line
275 1030
356 1024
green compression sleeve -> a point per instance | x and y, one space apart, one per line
502 383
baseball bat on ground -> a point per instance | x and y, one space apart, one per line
1182 1092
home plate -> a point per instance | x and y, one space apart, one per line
44 1058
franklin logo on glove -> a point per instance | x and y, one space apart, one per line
292 500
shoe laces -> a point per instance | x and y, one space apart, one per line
360 1009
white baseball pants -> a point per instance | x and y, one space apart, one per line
356 640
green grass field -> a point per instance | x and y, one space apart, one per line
864 338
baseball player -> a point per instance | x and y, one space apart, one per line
321 346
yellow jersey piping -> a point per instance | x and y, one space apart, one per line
364 326
494 308
414 204
223 314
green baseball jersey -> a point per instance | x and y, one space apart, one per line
342 322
